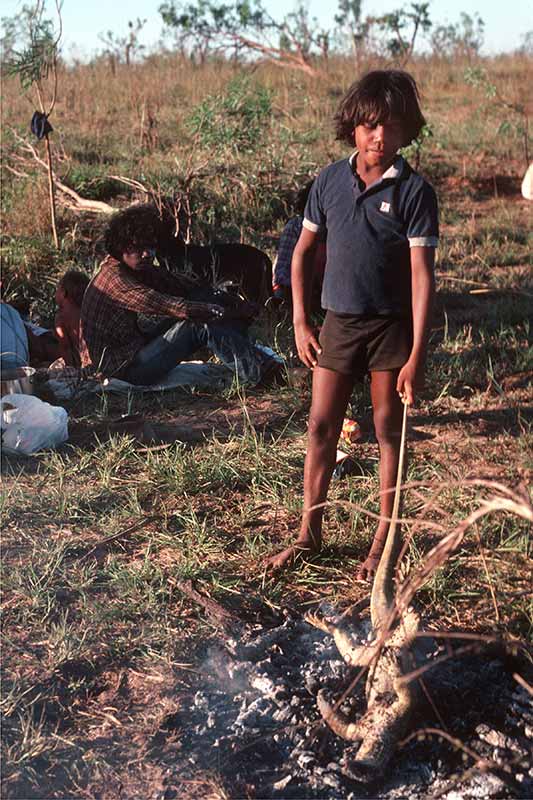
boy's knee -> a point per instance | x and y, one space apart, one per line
387 427
321 432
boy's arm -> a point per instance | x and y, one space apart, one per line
423 293
302 269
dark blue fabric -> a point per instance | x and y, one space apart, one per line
287 242
368 268
39 125
229 341
179 343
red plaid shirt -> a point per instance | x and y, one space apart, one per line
112 301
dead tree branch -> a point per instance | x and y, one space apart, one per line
67 196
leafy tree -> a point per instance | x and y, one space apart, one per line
402 27
123 48
16 33
443 40
526 47
471 34
191 27
350 25
35 61
246 25
29 46
463 39
300 28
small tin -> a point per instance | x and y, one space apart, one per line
351 432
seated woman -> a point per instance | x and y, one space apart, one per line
129 284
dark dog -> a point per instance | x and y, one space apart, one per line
223 265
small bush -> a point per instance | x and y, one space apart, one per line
91 182
236 120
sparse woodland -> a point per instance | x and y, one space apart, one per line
103 651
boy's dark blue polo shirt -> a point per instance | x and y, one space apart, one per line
369 234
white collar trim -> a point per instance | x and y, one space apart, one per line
393 171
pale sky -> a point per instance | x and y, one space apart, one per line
83 20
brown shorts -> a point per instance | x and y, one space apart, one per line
356 345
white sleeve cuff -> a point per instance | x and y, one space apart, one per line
424 241
311 226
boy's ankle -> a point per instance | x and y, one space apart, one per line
309 543
377 547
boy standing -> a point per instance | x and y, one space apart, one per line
381 221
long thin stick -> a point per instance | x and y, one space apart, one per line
51 191
382 597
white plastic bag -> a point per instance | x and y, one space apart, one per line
28 424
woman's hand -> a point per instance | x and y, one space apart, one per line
241 309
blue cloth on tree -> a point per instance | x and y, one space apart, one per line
39 125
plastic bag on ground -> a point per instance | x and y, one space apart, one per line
28 424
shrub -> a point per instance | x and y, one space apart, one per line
92 182
237 119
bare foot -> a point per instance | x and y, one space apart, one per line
289 556
367 570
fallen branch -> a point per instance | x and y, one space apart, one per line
69 197
133 184
214 610
78 203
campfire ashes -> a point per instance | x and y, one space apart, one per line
255 723
261 729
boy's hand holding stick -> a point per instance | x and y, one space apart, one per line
410 379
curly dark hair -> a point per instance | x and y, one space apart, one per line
377 97
135 228
74 282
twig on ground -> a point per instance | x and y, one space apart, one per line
124 532
213 609
502 771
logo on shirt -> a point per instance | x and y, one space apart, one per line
385 207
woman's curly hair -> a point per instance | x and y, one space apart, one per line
377 97
135 228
